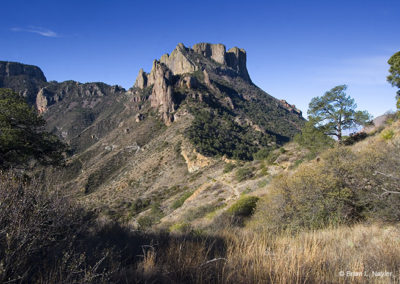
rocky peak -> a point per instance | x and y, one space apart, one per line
161 97
178 61
236 59
216 52
10 69
183 61
141 79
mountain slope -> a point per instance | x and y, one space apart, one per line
170 134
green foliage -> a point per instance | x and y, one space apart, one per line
394 77
387 134
335 112
139 205
22 134
244 173
229 167
272 156
152 217
313 139
200 212
182 227
179 202
217 134
244 207
343 187
262 154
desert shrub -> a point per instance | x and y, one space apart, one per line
199 212
244 207
182 227
139 205
313 139
229 167
244 173
179 202
343 187
151 217
387 134
354 138
272 157
261 154
236 215
38 228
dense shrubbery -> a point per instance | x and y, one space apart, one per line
313 139
217 134
342 187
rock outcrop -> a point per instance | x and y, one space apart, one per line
178 61
24 79
236 59
184 61
141 79
11 69
161 97
216 52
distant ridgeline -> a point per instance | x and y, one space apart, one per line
210 86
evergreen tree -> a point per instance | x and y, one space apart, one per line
22 134
335 112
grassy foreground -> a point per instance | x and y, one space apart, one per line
357 254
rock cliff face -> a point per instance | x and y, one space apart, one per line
24 79
236 59
216 52
178 61
162 94
186 61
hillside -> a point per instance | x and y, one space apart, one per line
169 135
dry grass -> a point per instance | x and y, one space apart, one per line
311 257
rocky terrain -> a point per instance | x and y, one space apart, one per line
156 154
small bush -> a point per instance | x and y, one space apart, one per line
244 174
261 154
272 157
179 202
229 167
182 227
354 138
387 134
244 207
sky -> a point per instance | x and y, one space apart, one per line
296 50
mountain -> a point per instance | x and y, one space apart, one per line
168 135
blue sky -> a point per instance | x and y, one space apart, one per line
296 50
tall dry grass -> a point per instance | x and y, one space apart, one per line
321 256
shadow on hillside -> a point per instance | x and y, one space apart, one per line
120 255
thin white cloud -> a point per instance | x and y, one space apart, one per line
36 30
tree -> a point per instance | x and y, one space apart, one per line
313 138
335 112
394 77
22 134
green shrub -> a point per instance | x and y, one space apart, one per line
343 187
244 174
139 205
229 167
272 157
215 133
182 227
179 202
387 134
244 207
261 154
